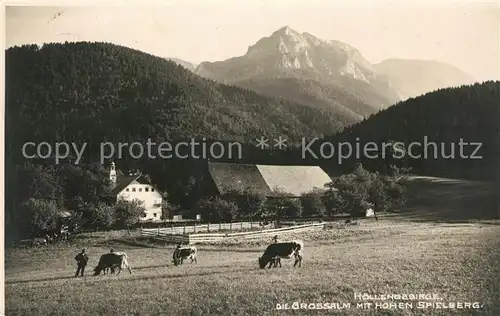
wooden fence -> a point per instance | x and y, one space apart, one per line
210 227
215 237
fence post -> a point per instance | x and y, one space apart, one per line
184 229
208 227
172 228
194 227
220 226
242 224
250 220
158 230
231 226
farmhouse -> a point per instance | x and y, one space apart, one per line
267 179
136 186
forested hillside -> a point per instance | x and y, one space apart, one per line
97 92
312 93
469 113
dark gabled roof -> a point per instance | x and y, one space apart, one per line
122 182
230 176
270 180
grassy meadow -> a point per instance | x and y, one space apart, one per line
459 260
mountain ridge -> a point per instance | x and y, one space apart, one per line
288 54
329 74
186 64
426 75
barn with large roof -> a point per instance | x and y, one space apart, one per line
269 180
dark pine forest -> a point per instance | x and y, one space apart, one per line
99 92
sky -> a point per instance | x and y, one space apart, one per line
465 35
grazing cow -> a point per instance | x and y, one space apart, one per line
106 270
275 261
64 235
112 261
283 250
39 242
182 253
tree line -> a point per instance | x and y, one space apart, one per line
469 113
40 194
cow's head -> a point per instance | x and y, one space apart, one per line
262 262
97 270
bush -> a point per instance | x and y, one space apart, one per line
216 209
102 215
282 206
356 192
127 213
40 215
250 203
312 204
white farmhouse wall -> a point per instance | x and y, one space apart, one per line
370 212
148 195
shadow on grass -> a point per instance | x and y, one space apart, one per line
186 275
227 269
153 266
454 209
229 248
82 237
132 243
40 280
450 218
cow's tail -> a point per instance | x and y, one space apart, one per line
125 264
195 256
299 249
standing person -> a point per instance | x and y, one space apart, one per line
275 239
176 255
81 261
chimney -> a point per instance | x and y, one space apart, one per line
112 174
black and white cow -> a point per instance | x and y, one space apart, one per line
283 250
112 261
35 242
184 253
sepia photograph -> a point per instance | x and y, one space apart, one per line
251 157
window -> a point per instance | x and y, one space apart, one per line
144 215
133 189
154 215
152 189
140 189
147 189
127 189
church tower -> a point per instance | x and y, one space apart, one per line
112 174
